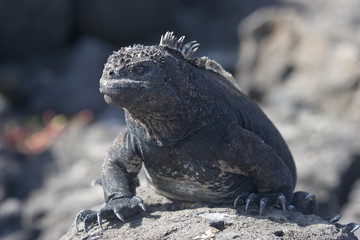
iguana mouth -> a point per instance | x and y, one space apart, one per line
119 85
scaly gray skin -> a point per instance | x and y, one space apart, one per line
199 137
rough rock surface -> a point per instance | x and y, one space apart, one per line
165 219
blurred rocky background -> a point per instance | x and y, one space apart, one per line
299 59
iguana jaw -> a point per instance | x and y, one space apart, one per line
118 86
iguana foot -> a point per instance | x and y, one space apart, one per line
118 207
304 202
353 226
335 218
262 201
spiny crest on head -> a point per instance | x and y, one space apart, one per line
170 41
127 54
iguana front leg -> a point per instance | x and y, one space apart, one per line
121 165
249 155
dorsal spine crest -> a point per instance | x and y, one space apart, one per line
170 41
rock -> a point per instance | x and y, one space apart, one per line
175 220
289 58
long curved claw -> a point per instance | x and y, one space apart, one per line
311 197
263 200
236 201
86 216
78 218
120 216
281 198
143 207
99 220
263 203
87 223
137 201
97 181
292 208
335 218
249 201
243 196
116 207
354 226
304 202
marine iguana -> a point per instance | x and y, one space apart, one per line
197 135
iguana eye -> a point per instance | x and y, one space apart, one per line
139 69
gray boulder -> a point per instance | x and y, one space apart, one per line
297 58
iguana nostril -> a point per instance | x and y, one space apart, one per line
111 73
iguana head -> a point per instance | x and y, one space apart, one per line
143 76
